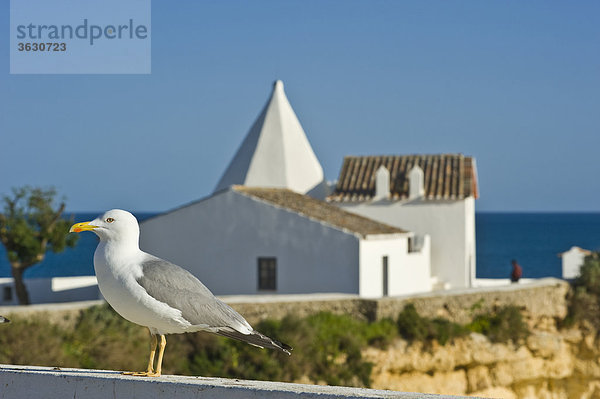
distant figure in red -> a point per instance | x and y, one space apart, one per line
517 271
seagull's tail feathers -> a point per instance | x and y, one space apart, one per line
4 320
254 338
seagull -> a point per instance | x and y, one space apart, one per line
4 320
157 294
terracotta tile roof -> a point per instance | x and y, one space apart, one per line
318 210
447 176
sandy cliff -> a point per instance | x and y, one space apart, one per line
548 364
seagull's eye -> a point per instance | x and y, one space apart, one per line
109 220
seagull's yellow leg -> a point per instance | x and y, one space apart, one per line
153 343
161 351
150 370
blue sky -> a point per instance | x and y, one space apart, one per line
514 84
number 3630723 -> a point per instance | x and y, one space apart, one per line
42 46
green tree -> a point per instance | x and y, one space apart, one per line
31 225
589 274
584 298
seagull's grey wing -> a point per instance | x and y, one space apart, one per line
181 290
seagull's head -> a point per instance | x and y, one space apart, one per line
113 225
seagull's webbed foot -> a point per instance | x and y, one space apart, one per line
148 373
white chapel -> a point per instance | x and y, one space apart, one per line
392 225
428 194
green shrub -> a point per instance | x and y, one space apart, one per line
584 298
327 349
503 325
333 345
582 306
589 275
32 341
413 327
103 339
444 330
381 333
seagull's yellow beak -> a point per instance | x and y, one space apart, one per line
84 226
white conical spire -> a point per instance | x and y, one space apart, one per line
275 152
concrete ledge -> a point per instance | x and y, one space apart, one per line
49 383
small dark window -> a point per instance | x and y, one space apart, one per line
7 294
267 274
384 264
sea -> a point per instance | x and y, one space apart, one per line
535 240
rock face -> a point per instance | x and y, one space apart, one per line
549 364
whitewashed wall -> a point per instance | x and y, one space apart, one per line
52 289
220 238
470 240
408 273
371 265
415 275
450 224
572 260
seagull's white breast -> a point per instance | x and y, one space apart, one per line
117 272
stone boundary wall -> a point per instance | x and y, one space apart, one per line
63 314
540 298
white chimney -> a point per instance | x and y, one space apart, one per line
382 183
416 183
